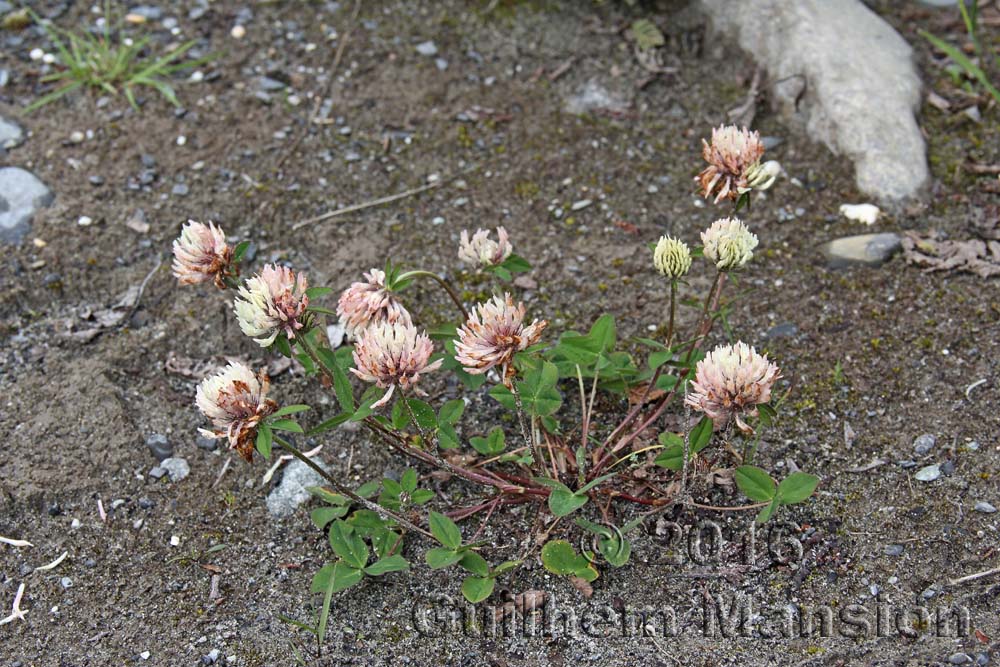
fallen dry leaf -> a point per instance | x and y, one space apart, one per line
934 254
583 586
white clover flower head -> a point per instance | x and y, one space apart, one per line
392 354
201 254
493 334
732 156
481 250
272 302
762 176
730 382
369 302
728 243
235 400
671 257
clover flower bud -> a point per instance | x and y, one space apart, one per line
392 354
733 158
481 250
272 302
235 400
728 243
730 382
369 302
671 257
493 334
201 254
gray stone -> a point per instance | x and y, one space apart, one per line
148 12
985 507
157 472
928 474
846 76
861 250
177 468
782 330
181 190
291 492
428 48
894 550
924 443
11 134
208 444
160 446
267 84
592 97
21 195
959 659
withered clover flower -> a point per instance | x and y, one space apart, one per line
730 382
369 302
235 400
272 302
671 257
728 243
481 250
493 334
734 165
201 254
392 354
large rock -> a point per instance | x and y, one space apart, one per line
861 250
291 493
21 195
844 73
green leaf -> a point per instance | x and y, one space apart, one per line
394 563
424 414
755 483
370 397
409 480
451 411
290 410
559 557
321 516
516 264
563 502
282 345
368 489
504 567
240 250
768 415
285 425
328 496
329 424
421 496
445 530
475 564
265 438
767 511
962 60
447 437
477 589
701 435
440 557
317 292
392 487
341 386
491 445
383 540
671 458
647 35
348 545
399 416
796 487
538 391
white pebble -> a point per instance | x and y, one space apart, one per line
48 58
36 54
76 137
181 140
85 221
238 32
175 541
866 213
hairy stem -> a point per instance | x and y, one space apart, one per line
443 283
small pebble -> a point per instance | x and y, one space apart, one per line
985 507
66 582
145 655
893 549
427 48
238 32
181 190
175 541
580 205
181 140
85 221
924 443
959 659
928 474
76 137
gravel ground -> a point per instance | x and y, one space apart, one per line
884 363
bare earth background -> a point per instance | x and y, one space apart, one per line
77 409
